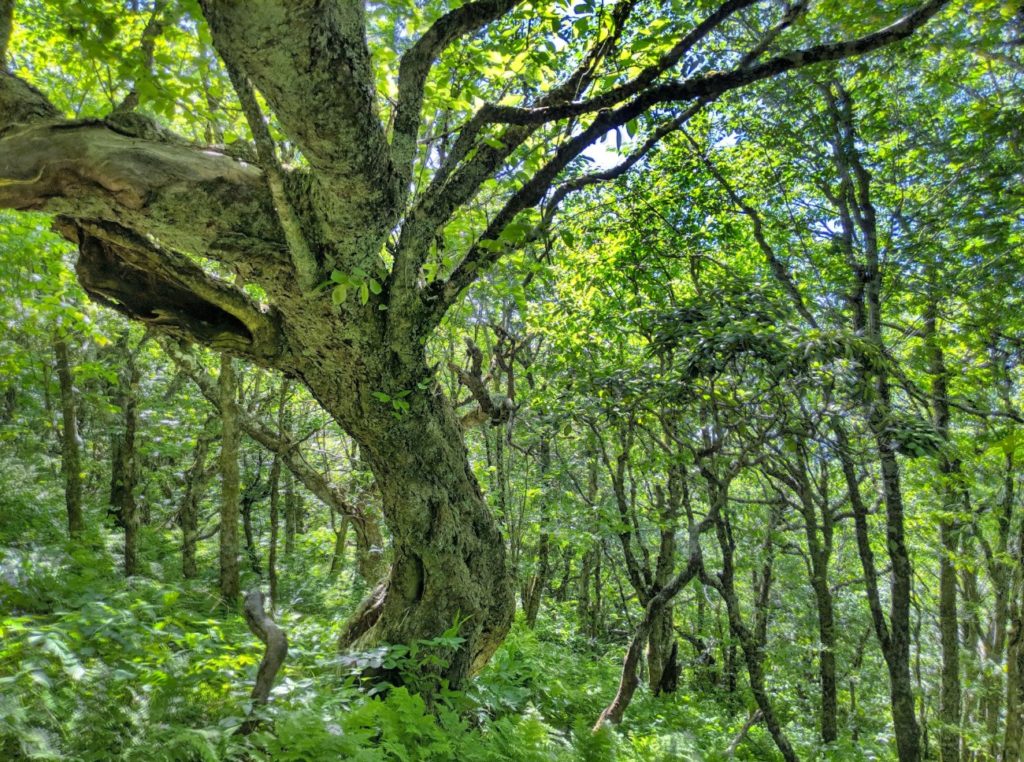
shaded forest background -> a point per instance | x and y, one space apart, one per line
749 420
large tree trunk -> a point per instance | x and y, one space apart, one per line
71 459
449 557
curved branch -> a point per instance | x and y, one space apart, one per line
276 642
416 64
488 250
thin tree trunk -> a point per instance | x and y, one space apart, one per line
291 510
1013 741
338 556
248 502
857 213
124 467
188 513
949 626
71 459
752 642
534 589
275 520
230 585
275 495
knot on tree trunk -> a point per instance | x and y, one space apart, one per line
276 642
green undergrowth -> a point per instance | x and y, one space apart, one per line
93 667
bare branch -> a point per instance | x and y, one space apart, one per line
496 410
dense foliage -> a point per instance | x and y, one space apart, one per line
743 393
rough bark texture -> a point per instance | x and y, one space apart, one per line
71 459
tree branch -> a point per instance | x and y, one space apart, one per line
512 115
92 170
488 250
306 266
457 180
416 64
147 45
166 291
311 62
276 642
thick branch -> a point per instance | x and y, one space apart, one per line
459 178
311 62
166 291
187 198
